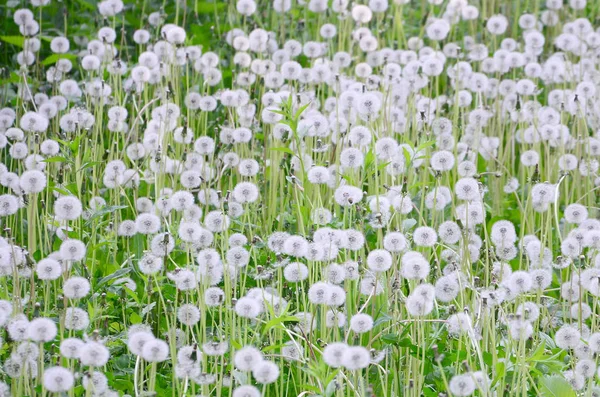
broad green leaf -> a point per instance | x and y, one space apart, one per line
407 155
301 110
331 388
52 59
206 7
60 190
57 159
277 322
425 145
538 353
135 318
383 318
148 308
113 276
556 386
12 78
86 4
107 209
408 224
14 40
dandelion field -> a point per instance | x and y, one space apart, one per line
299 198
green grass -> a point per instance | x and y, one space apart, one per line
412 355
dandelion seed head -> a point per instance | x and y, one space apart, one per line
58 379
247 358
155 350
462 385
76 287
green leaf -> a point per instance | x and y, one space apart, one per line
204 34
312 388
237 345
52 59
72 188
87 5
280 112
113 276
57 159
14 40
74 144
369 158
283 149
240 377
277 322
148 308
207 8
538 353
548 340
408 224
425 145
89 164
500 369
331 388
107 209
430 393
556 386
61 190
135 318
383 318
488 358
407 155
397 340
481 164
272 348
301 110
12 78
374 170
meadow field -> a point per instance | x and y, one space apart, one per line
305 198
